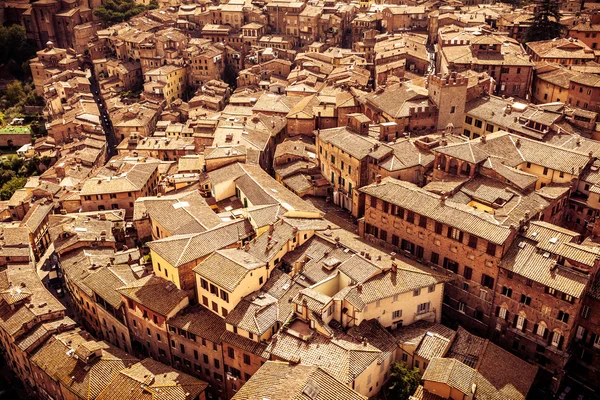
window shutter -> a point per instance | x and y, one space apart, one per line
460 237
497 311
507 314
515 321
550 334
592 338
524 325
535 329
560 342
545 333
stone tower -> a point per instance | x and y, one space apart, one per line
449 93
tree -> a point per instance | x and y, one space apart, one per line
15 93
10 187
114 11
545 22
403 382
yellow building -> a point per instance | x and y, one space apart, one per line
168 82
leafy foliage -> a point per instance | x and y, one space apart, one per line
114 11
14 172
15 50
545 22
10 187
403 382
14 99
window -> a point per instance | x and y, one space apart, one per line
397 314
204 284
435 258
431 289
557 339
230 352
182 348
455 234
563 316
525 300
491 249
545 171
423 221
217 363
452 110
567 297
225 296
540 330
214 289
585 312
503 313
438 228
478 123
157 336
468 272
469 120
487 281
461 307
472 241
450 265
416 292
205 358
246 359
520 323
196 354
580 332
506 291
410 217
423 308
551 291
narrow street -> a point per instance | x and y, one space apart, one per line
111 140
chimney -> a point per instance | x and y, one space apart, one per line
443 197
378 179
359 288
271 229
394 267
483 139
247 246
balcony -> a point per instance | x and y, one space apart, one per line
425 314
579 196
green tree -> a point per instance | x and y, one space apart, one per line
15 93
10 187
114 11
403 382
545 22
